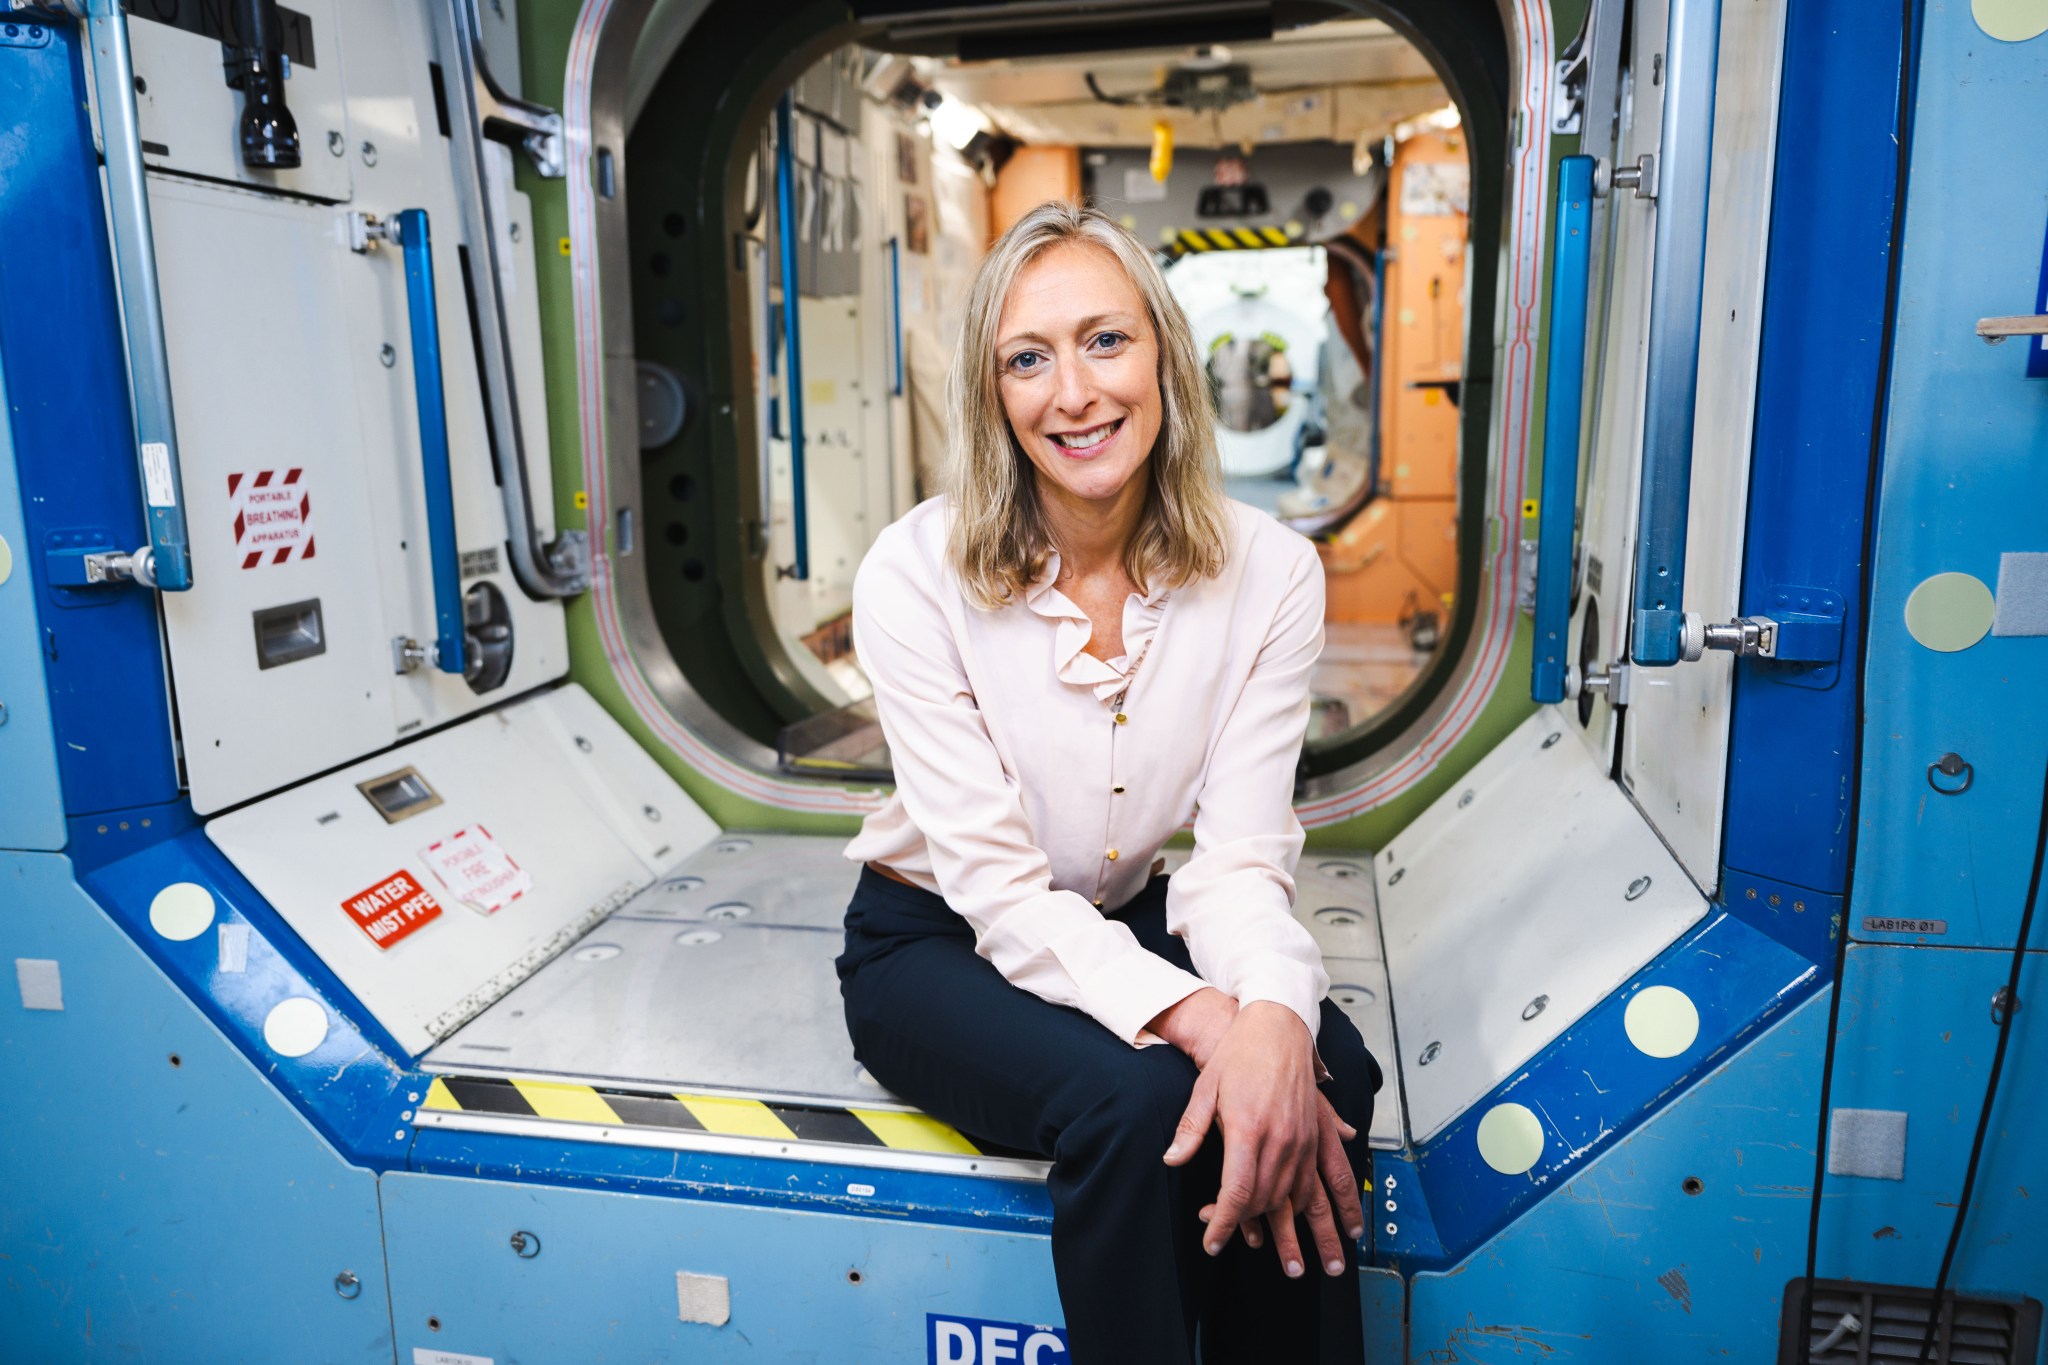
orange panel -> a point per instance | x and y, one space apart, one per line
1029 178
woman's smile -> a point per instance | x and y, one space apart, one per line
1088 443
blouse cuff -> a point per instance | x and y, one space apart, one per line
1285 981
1148 986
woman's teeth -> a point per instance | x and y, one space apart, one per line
1088 440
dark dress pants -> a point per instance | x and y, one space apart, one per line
942 1029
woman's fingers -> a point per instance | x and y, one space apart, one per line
1254 1236
1281 1221
1322 1228
1336 1171
1194 1122
1233 1198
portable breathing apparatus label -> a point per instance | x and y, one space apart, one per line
477 870
273 516
392 909
977 1341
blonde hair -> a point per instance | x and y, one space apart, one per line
999 539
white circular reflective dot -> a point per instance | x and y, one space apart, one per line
2011 21
182 910
596 952
1950 612
1661 1021
295 1027
1510 1138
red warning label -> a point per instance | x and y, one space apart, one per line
393 908
273 516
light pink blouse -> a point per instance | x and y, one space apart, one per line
1029 801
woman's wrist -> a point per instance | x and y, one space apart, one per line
1196 1023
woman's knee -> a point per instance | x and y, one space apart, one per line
1135 1097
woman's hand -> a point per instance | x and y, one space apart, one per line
1259 1086
1341 1207
1197 1024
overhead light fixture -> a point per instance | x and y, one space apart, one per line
957 124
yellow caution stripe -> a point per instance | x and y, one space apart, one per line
1189 240
717 1114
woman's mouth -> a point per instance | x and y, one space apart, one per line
1082 442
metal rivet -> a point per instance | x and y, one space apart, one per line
525 1245
3 713
1391 1206
1751 893
388 354
336 143
512 231
1390 1182
583 744
369 153
1636 888
347 1285
1552 738
1799 906
651 813
1392 1229
1535 1007
1465 800
1429 1054
1774 899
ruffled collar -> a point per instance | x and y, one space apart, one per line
1071 659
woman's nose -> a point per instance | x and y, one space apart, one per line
1076 391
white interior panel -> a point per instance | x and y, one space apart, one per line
259 393
1676 746
190 120
519 774
1514 904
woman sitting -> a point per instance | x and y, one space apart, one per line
1078 647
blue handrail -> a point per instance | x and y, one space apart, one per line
1571 263
149 366
896 308
414 240
1683 166
792 369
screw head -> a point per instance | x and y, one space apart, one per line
369 153
1429 1054
347 1285
336 143
388 354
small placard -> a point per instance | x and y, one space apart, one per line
392 909
421 1355
1874 925
157 484
477 870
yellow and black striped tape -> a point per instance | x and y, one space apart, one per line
1230 239
679 1113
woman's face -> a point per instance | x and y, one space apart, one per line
1078 368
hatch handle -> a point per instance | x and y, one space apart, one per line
1683 164
166 562
1571 270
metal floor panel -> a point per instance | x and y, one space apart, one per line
1514 904
718 978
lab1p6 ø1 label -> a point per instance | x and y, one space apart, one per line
392 909
978 1341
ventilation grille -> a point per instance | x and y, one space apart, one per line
1891 1322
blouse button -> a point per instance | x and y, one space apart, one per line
1117 790
1098 902
1121 718
1112 855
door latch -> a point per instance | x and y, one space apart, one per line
1641 177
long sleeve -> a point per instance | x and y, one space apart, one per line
1233 899
956 788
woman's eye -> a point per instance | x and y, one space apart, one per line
1025 362
1109 341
